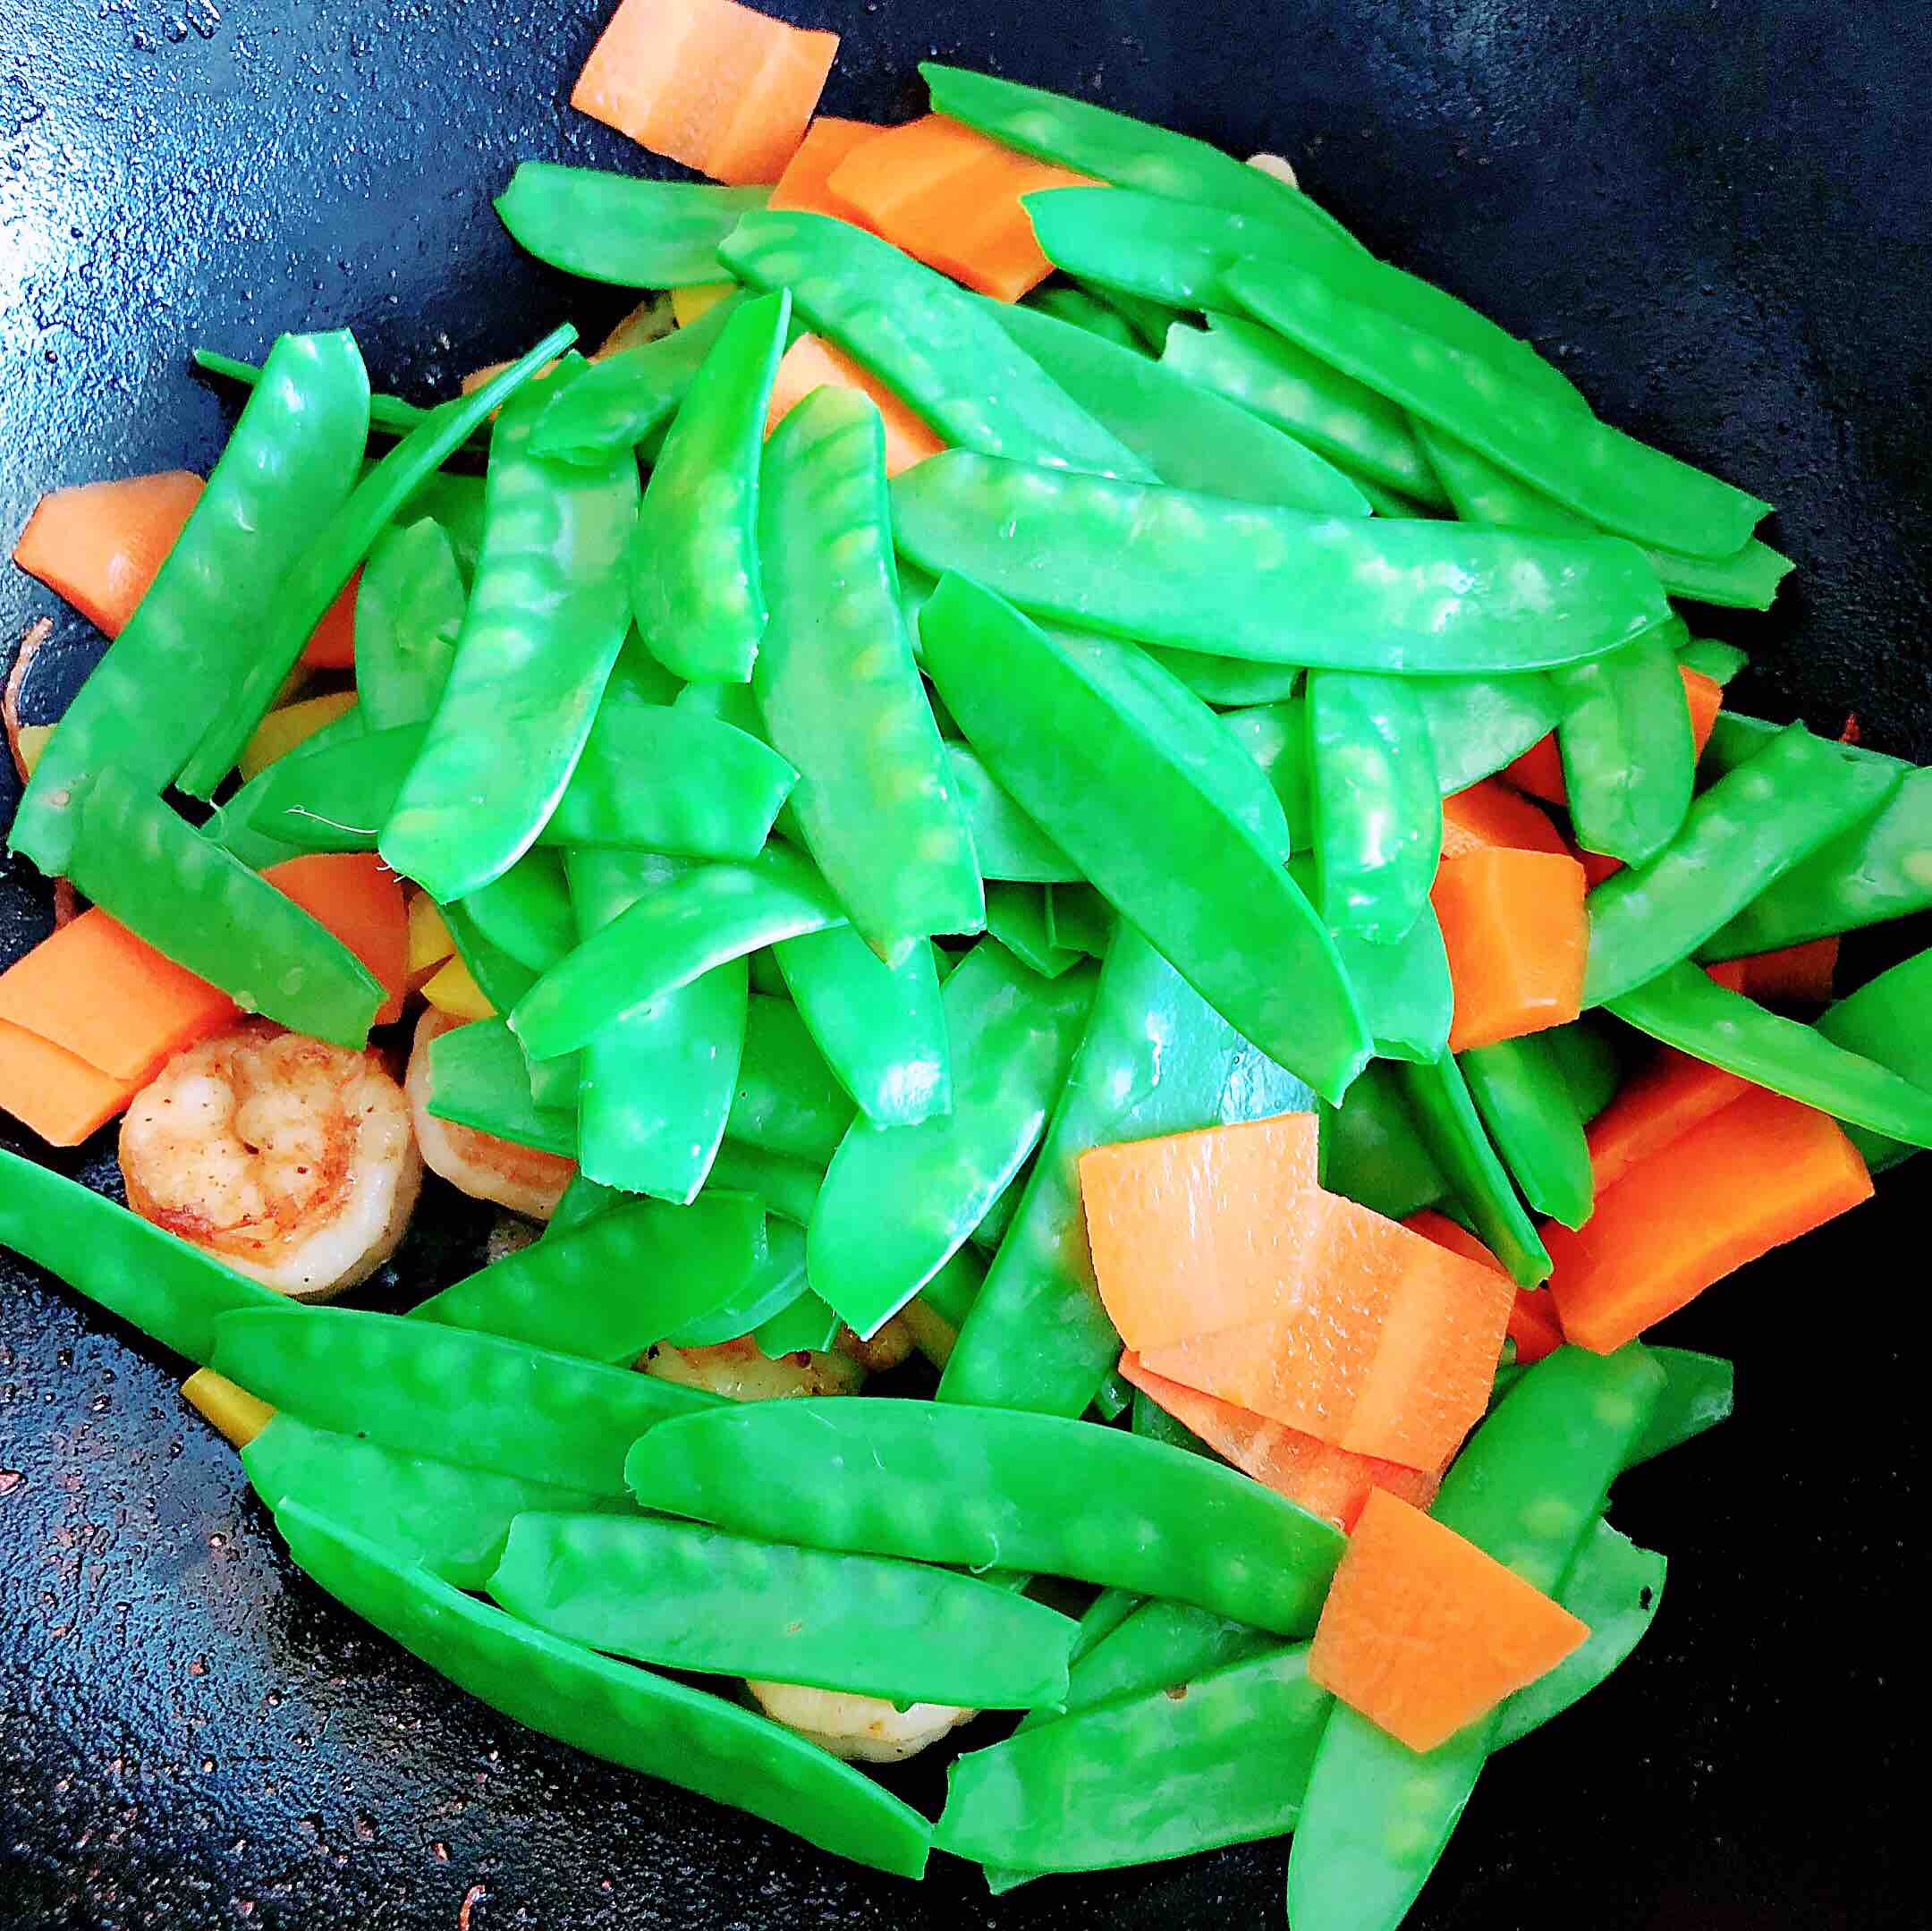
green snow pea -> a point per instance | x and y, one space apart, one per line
1445 1115
389 413
1371 1151
232 825
1684 1009
1067 726
1479 724
331 558
787 1100
1011 1034
987 1488
504 980
1745 832
805 1325
545 620
1275 736
289 460
1006 842
1156 1058
992 1226
1378 830
1620 484
1078 308
409 612
583 1199
695 570
1526 1101
1229 681
1528 1489
920 333
698 921
1188 435
477 1078
1709 659
455 503
486 1402
1150 320
655 1086
1886 1019
776 1283
526 911
1280 586
1698 1392
1588 1058
1017 915
765 977
952 1290
612 1710
840 693
880 1028
788 1185
689 1597
619 228
452 1521
609 1289
1079 919
173 1292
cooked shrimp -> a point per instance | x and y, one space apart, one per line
739 1373
886 1350
289 1159
866 1730
524 1179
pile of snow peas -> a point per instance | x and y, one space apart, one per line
843 856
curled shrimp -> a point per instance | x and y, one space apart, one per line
866 1730
524 1179
287 1158
736 1370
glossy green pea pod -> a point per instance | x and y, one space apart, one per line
788 1186
1012 1035
787 1100
1155 1058
1742 835
1016 915
986 1487
1709 659
1372 1153
1588 1058
917 331
232 825
1527 1489
775 1285
1887 1020
612 1710
1150 1419
993 1224
1079 919
583 1199
840 693
1156 821
952 1290
1280 586
1081 309
1150 320
455 504
389 413
289 460
1526 1102
1698 1392
450 1520
701 919
477 1078
688 1597
502 980
1275 736
546 617
805 1325
621 228
695 570
409 611
485 1402
1007 844
526 911
1479 724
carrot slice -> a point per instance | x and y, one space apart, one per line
722 88
1532 1317
99 544
1490 814
55 1093
359 900
1423 1632
811 363
827 142
1517 936
1672 1095
1801 975
1325 1480
1539 770
1757 1173
331 646
950 196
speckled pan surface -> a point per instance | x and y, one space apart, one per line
1718 217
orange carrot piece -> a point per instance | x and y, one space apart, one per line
722 88
109 999
1532 1318
1705 696
1756 1173
55 1093
1192 1232
332 647
1539 770
1800 975
1672 1095
1517 936
1320 1478
827 142
361 901
1423 1632
950 196
98 545
811 362
1490 814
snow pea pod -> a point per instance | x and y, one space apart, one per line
477 1078
788 1185
926 338
1445 1116
992 1226
1371 1151
986 1487
1155 1058
1280 586
1082 308
546 618
331 558
1016 915
526 911
775 1285
409 612
1479 724
806 1326
1006 842
1709 659
455 504
502 980
1150 1419
1528 1489
612 1710
1377 832
389 413
1535 1124
1150 320
694 568
1683 1008
1698 1392
880 1028
291 459
840 693
787 1100
1275 736
1012 1035
1588 1058
485 1401
619 228
699 920
1741 835
689 1597
1065 727
232 825
583 1199
1886 1019
1079 919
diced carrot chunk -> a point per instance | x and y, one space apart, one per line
1518 937
1672 1095
811 363
99 544
55 1093
361 901
1490 814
